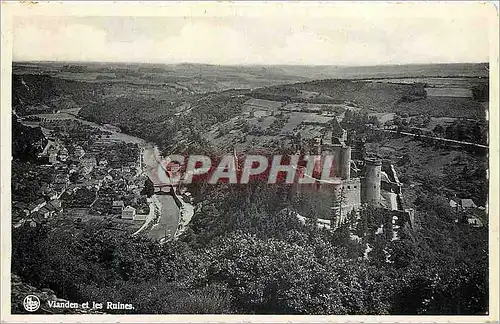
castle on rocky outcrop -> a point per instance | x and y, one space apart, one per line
369 181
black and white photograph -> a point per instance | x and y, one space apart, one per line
236 158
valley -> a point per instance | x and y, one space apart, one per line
422 131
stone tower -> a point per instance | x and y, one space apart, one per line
345 163
372 182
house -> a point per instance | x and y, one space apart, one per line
88 161
89 184
103 163
19 213
55 205
61 178
474 221
46 212
50 148
59 165
21 207
467 204
60 187
18 221
63 154
52 158
35 206
35 219
118 205
140 217
128 213
78 152
51 194
72 188
99 176
131 187
461 204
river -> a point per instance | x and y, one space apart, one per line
168 223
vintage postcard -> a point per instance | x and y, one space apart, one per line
249 162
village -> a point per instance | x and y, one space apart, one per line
82 171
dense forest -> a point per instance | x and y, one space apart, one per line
26 141
245 254
32 93
155 119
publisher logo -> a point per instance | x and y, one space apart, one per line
31 303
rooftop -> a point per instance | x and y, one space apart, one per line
467 203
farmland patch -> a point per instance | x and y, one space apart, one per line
449 92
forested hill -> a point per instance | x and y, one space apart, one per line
27 141
33 93
242 254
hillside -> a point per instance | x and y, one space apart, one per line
27 141
253 75
400 98
33 93
176 117
194 78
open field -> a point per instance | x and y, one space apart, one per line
449 92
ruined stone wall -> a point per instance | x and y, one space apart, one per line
336 152
390 198
351 191
391 186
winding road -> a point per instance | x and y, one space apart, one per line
434 138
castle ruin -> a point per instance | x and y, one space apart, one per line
370 181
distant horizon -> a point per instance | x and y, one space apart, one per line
244 64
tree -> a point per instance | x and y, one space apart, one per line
439 129
148 189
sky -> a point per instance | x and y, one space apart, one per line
460 35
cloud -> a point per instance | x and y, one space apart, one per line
203 42
219 40
73 42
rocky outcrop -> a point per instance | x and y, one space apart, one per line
19 291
